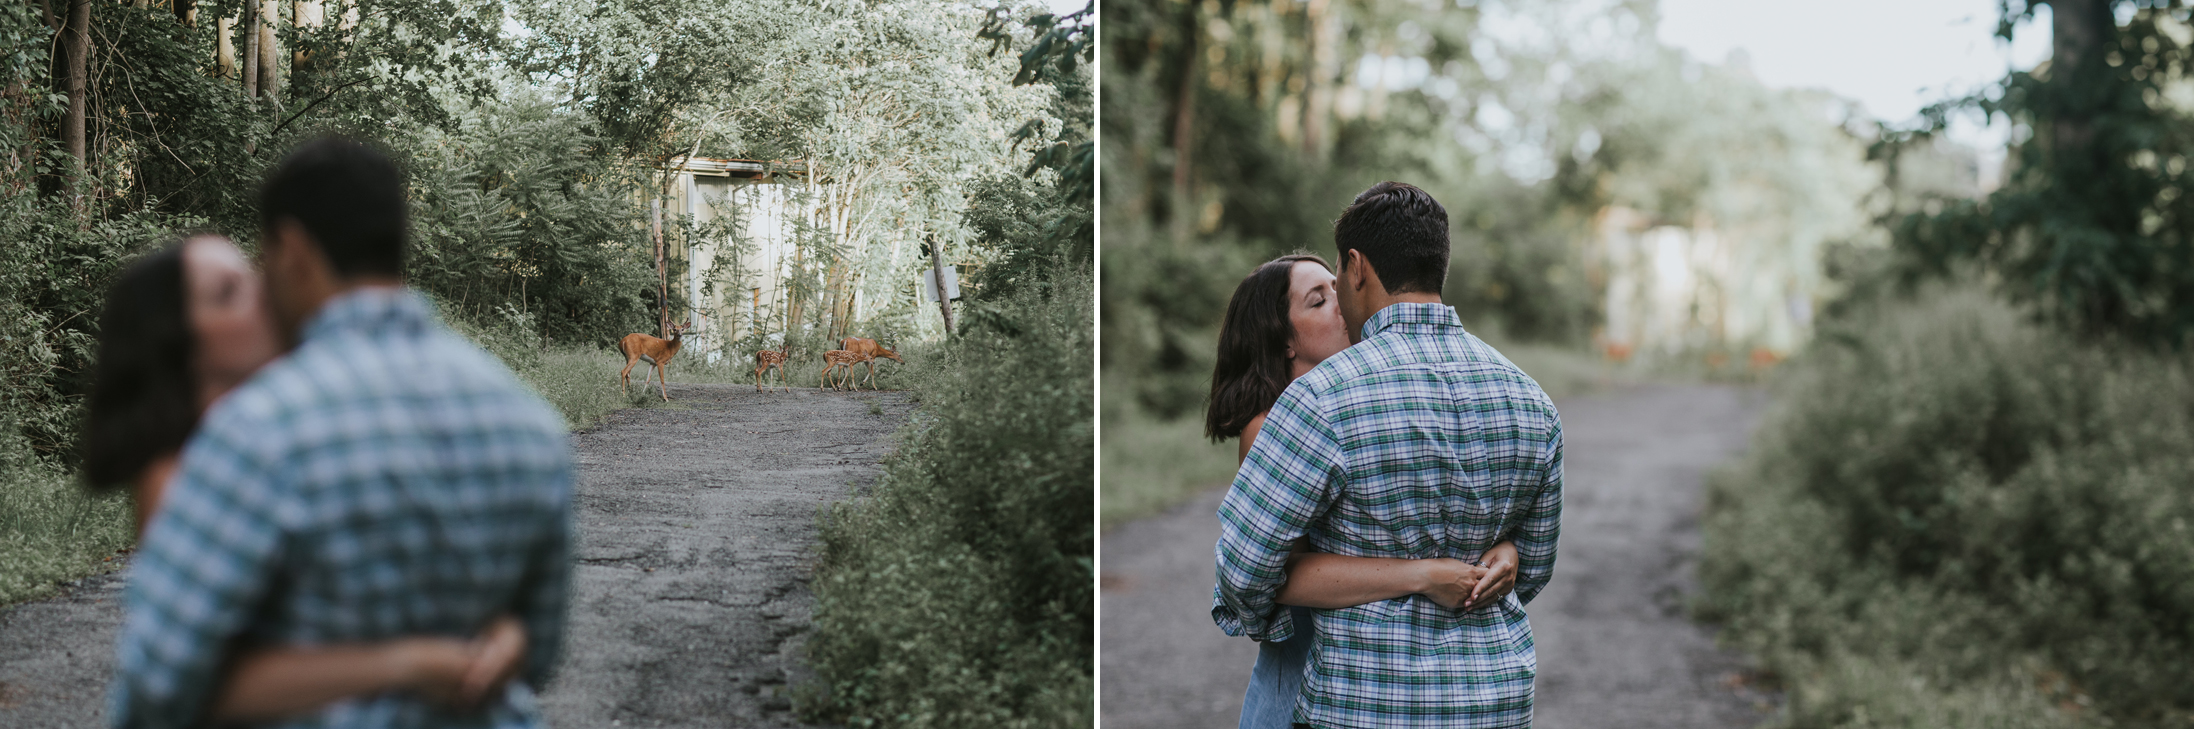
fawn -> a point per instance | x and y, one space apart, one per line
837 358
772 359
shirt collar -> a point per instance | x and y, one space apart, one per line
1411 316
371 309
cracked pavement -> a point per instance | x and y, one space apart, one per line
690 606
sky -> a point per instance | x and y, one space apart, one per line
1891 56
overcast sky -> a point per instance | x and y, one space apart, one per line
1892 56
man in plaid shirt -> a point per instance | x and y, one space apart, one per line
386 479
1419 441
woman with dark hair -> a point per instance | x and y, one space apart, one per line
183 325
1282 321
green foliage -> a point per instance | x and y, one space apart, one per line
514 208
2092 225
1982 516
1033 226
51 529
961 592
54 268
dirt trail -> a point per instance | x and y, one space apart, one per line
690 604
1614 648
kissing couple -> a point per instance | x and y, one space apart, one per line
1400 488
349 515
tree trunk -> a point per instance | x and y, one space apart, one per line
2082 30
1324 70
305 14
270 50
251 53
662 275
1184 120
224 48
937 269
186 12
75 63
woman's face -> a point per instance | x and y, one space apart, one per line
228 315
1316 315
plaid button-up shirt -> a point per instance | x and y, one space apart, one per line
386 479
1418 442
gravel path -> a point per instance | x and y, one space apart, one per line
696 530
1614 647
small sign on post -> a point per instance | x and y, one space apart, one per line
929 284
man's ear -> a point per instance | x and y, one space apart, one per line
293 249
1354 269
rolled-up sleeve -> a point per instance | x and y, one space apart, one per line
1290 478
1541 526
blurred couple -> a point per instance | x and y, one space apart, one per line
348 515
1400 488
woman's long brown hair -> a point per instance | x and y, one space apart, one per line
143 400
1253 367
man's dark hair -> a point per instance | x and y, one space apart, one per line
1402 232
349 197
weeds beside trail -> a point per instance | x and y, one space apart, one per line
959 594
51 528
1956 518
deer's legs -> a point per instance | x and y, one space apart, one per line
662 380
624 379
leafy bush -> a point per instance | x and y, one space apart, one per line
960 593
1955 514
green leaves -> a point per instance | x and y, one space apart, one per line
2093 225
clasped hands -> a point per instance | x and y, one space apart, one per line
1453 583
459 674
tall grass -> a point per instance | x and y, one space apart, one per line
1956 518
583 381
959 592
51 528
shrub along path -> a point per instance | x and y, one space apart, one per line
1614 647
691 598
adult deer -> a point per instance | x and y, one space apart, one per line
873 350
772 359
837 358
657 352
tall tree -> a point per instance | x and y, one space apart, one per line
75 47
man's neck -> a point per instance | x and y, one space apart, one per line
340 288
1380 302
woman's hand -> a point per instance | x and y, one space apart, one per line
498 654
1449 582
462 674
1500 576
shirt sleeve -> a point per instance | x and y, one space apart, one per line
195 581
544 598
1541 525
1290 478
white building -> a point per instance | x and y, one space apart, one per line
748 273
